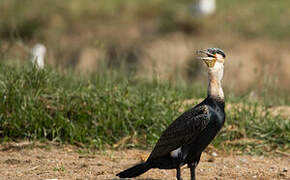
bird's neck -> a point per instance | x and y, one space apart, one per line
215 89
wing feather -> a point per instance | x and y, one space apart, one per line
181 131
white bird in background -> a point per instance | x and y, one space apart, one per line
38 52
204 7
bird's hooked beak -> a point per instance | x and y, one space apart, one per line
207 57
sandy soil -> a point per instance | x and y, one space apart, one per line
41 161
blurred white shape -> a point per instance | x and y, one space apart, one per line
214 154
205 7
38 53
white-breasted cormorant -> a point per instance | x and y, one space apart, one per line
186 137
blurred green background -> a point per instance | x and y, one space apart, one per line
123 68
154 37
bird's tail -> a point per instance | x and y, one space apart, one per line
134 171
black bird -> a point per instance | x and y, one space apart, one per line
186 137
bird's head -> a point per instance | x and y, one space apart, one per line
213 57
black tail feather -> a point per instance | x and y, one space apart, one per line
134 171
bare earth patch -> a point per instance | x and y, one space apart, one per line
39 161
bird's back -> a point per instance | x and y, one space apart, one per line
216 116
189 134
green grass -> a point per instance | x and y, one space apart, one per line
97 111
253 129
101 109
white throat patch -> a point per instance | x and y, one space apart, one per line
215 75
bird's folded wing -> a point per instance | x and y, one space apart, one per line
182 131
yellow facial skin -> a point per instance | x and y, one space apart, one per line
210 61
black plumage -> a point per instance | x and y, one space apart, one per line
192 132
185 139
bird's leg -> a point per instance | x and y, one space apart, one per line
193 165
178 174
192 171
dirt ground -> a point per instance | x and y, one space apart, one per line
26 160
